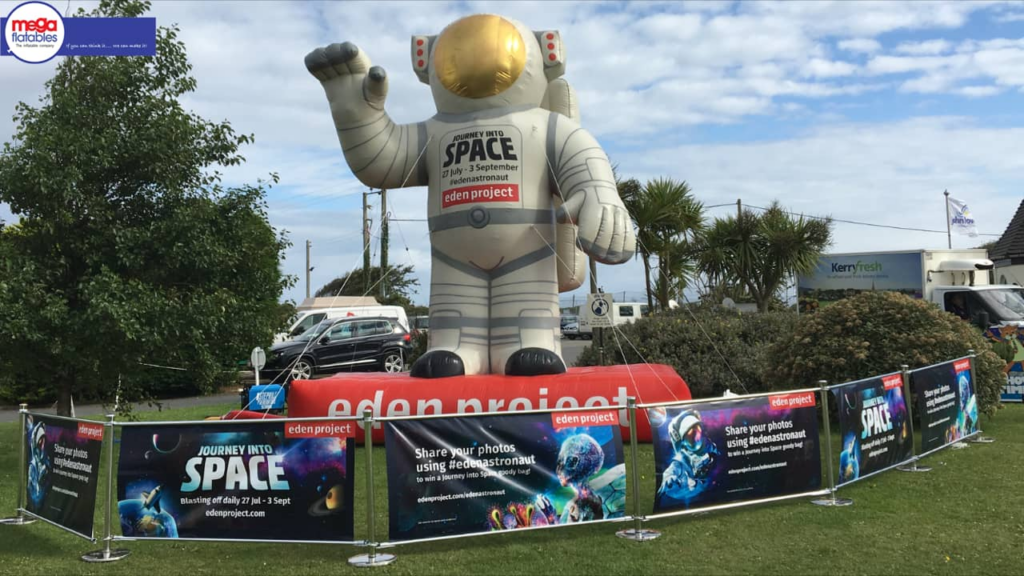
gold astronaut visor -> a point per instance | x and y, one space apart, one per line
479 56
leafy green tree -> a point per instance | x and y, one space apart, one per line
128 251
400 281
668 220
761 251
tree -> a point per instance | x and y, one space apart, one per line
668 220
761 251
399 278
128 250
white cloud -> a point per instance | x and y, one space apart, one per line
927 47
979 91
821 68
863 45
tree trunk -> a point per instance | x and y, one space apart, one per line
663 271
64 395
647 283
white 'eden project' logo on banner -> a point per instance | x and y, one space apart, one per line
34 32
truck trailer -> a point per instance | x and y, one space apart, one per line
957 281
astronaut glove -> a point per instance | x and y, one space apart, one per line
355 88
605 228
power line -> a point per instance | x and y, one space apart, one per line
862 223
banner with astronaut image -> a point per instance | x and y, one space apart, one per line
946 404
873 425
62 470
254 480
467 475
728 451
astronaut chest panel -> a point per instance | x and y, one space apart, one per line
481 165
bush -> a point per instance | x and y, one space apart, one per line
419 347
875 333
686 339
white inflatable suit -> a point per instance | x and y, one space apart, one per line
501 166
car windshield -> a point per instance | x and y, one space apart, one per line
1007 305
312 332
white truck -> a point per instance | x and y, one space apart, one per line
957 281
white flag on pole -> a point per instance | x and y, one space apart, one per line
960 218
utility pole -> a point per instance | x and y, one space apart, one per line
739 208
383 243
366 244
308 245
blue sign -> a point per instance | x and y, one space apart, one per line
266 397
99 37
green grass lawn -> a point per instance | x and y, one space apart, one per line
965 517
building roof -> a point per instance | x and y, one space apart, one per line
1011 243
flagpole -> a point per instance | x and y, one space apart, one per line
949 234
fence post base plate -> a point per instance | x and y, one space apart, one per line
106 555
641 535
367 561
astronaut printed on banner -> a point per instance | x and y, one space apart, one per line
516 187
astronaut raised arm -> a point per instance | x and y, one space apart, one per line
382 154
587 184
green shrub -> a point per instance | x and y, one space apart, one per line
874 333
687 341
419 347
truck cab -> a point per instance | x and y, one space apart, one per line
961 287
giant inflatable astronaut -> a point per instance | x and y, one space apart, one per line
503 159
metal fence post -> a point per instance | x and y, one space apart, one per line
977 438
108 555
831 499
19 519
912 466
637 532
372 558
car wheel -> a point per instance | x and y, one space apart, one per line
392 361
303 370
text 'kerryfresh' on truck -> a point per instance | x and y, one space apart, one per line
958 281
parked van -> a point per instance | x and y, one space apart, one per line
309 318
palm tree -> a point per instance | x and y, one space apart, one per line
668 220
761 251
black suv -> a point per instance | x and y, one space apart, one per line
339 345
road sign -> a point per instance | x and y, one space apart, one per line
258 359
600 307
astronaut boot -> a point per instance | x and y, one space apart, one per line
438 364
534 362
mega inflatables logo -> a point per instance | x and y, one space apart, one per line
34 32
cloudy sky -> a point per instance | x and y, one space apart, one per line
860 110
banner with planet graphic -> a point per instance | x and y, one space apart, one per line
468 475
946 404
728 451
874 426
254 480
62 470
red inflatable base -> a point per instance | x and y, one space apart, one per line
401 395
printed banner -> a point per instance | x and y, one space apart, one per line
469 475
267 480
721 452
946 403
399 395
63 470
874 426
839 276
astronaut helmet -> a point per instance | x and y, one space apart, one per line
486 61
687 431
39 437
